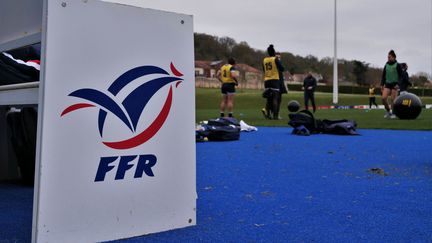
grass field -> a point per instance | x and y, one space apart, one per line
248 104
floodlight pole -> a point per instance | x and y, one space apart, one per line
335 60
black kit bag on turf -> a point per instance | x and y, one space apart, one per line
339 127
23 126
223 133
223 121
306 119
222 129
200 135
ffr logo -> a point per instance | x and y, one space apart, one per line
129 111
143 165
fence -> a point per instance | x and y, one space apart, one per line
254 83
201 82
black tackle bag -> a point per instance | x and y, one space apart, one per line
339 127
305 119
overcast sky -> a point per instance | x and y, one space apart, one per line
367 29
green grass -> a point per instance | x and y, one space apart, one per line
248 104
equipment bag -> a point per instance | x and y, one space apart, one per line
339 127
222 133
22 126
219 129
201 135
305 118
223 121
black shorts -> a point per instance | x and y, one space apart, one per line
273 84
228 88
390 86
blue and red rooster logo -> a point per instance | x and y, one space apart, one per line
131 108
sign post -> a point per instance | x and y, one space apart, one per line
116 146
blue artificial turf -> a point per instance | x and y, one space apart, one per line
16 205
275 187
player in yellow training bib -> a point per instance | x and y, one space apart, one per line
372 97
272 70
227 75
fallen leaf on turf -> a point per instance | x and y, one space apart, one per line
378 171
266 194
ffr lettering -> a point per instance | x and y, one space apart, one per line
143 165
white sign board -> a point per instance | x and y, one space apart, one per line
117 147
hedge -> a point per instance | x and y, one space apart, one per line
357 90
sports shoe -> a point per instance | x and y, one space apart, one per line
387 114
392 116
264 112
277 117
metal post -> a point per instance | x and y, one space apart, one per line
335 60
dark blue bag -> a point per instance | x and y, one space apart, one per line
339 127
219 129
306 119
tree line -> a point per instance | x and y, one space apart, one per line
211 48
